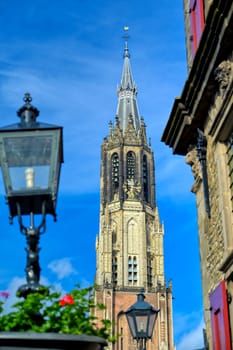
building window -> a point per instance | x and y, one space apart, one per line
230 164
135 270
114 270
149 273
196 23
131 166
115 172
145 178
132 270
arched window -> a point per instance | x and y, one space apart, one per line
115 172
131 166
145 178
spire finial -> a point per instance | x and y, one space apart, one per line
27 112
126 37
27 98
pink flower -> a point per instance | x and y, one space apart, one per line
66 300
4 294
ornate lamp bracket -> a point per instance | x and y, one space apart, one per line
32 234
201 153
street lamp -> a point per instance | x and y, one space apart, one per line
30 157
141 317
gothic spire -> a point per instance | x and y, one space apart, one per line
127 93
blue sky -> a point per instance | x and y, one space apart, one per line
68 55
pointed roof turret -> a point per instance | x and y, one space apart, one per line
127 93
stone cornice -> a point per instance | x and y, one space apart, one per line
191 109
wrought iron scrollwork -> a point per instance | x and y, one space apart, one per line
201 153
32 234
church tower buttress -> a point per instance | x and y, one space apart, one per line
129 247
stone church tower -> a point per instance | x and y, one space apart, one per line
129 248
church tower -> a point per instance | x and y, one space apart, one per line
129 248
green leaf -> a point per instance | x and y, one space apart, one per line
41 312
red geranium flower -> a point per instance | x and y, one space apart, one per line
4 294
66 300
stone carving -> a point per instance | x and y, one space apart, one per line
132 189
223 75
116 137
192 159
130 135
142 131
116 197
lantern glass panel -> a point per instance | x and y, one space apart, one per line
151 324
141 321
28 161
132 326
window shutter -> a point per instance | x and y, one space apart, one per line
199 19
193 34
220 318
196 22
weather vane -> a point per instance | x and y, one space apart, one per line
126 35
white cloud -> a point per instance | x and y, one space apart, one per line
12 288
14 284
17 282
192 339
62 268
76 88
85 283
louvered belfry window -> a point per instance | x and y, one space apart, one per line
145 178
115 171
149 272
114 270
131 166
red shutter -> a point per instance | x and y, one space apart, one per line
200 18
196 22
193 29
220 318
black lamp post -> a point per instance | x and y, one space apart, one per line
30 156
141 317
